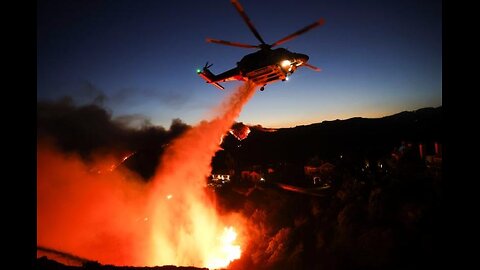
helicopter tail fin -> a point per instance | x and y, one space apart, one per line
208 76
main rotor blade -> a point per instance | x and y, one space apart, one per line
311 67
247 20
236 44
299 32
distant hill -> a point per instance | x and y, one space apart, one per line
355 138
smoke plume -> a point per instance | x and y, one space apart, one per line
90 129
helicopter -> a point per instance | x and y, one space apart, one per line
264 66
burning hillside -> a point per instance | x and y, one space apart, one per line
115 218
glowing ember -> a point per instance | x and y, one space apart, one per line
227 251
221 139
127 156
240 131
169 196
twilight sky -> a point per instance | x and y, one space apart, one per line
377 57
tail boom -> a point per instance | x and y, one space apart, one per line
208 76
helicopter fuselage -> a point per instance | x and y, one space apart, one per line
261 67
269 65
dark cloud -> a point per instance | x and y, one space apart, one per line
133 94
87 92
91 92
133 121
88 129
83 129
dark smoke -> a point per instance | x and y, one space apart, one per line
90 129
133 121
166 98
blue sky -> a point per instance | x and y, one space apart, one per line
377 57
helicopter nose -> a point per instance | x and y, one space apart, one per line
302 57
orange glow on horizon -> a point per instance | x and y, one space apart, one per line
285 123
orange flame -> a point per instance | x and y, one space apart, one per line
226 252
114 219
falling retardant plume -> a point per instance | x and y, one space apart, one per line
187 223
114 217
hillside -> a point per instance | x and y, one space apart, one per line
356 138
